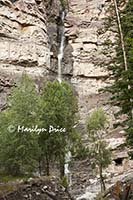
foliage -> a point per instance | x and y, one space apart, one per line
64 182
129 131
19 151
81 152
58 109
122 90
96 121
99 154
54 111
64 3
127 25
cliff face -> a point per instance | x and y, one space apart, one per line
93 48
24 37
29 41
24 42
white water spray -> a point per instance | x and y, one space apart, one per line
67 172
61 49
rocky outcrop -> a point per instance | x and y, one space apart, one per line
24 42
54 12
30 37
38 189
86 181
120 191
93 50
23 38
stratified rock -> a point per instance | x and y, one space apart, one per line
24 43
23 38
93 50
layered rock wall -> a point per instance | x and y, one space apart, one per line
29 41
93 50
24 38
24 41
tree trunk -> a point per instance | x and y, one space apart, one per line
121 35
39 166
62 163
122 45
103 188
62 170
47 166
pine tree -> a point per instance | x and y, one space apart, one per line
19 150
122 89
100 155
127 24
59 108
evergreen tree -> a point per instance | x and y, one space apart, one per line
59 108
100 155
19 150
127 24
122 89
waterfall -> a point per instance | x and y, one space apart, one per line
61 48
67 172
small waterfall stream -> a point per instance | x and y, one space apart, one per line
67 172
87 195
61 48
60 57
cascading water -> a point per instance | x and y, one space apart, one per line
67 172
61 48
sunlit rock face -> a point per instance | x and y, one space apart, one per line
29 41
24 42
93 39
93 50
23 38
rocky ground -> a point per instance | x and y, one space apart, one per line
46 188
36 189
86 182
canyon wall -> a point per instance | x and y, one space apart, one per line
30 39
93 50
24 42
29 42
